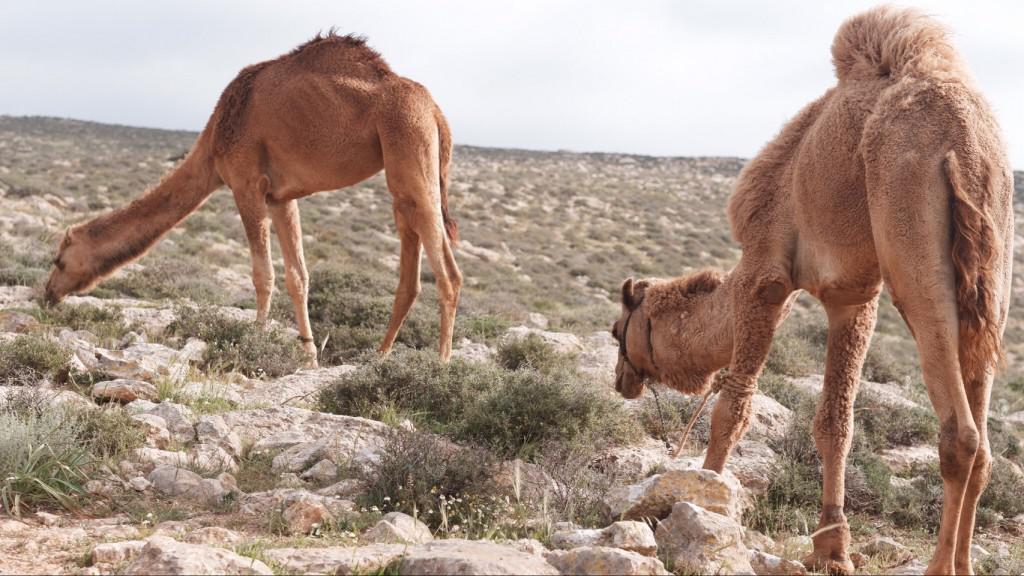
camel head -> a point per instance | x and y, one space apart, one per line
631 331
672 331
73 269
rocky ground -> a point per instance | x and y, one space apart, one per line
217 466
677 517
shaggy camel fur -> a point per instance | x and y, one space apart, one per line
896 175
329 114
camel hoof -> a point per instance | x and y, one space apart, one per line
818 563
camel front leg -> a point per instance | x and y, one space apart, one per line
757 307
408 279
253 209
289 236
850 329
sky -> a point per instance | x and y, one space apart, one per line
672 78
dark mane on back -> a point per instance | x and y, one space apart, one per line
234 101
353 43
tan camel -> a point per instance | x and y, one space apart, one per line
329 114
896 175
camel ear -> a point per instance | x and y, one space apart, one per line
633 292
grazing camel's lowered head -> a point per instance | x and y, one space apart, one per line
72 270
672 331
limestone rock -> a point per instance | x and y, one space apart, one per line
212 429
887 548
702 542
163 555
149 361
116 552
155 426
753 464
348 437
303 516
904 458
626 535
369 559
323 471
398 528
19 322
139 484
471 557
263 503
278 442
214 536
212 457
599 560
124 391
178 482
157 457
768 565
301 456
177 417
562 342
655 496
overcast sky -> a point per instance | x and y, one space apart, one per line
681 78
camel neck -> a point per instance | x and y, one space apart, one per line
124 234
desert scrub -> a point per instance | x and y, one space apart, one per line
20 267
351 309
509 411
165 278
799 347
530 351
247 347
48 453
441 483
485 327
106 324
30 358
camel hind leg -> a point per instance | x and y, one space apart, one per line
411 165
408 278
914 247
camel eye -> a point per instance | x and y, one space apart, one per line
58 264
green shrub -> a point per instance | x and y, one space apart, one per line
885 425
511 411
45 454
781 389
528 352
526 408
106 324
108 432
30 358
351 308
917 504
799 348
439 482
247 347
165 278
484 328
1005 491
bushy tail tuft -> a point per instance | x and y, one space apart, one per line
975 249
444 134
892 42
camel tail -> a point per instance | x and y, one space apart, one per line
444 135
975 253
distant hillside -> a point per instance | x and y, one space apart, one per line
554 232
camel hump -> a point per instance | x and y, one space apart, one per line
893 42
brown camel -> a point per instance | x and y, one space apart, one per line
329 114
896 175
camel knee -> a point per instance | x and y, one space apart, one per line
981 471
958 447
